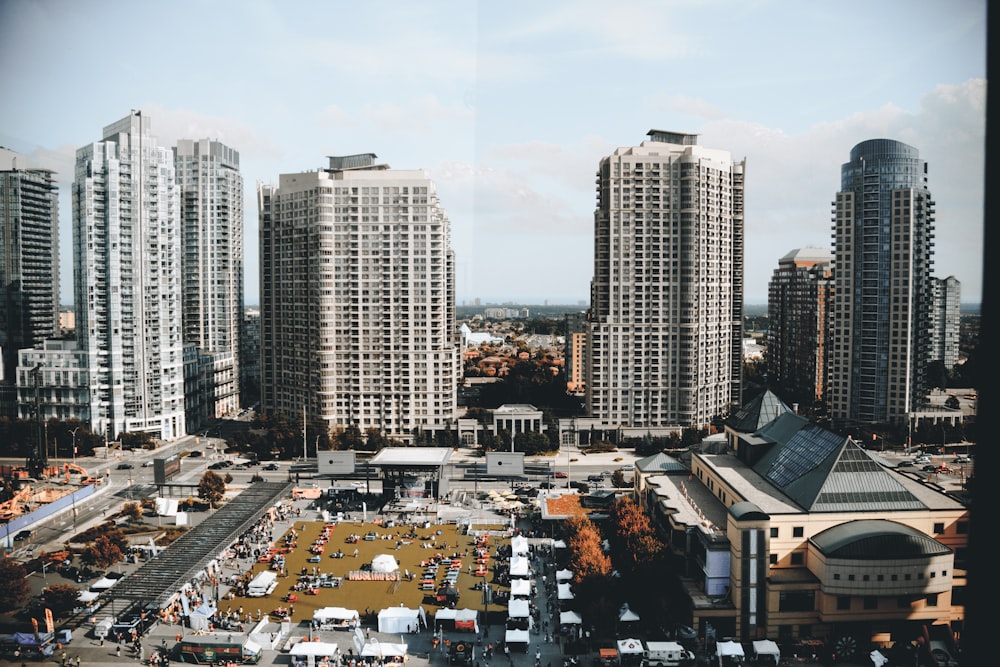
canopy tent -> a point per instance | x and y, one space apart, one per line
766 647
518 609
339 617
400 619
201 617
570 618
519 545
305 649
516 637
464 619
87 596
626 615
878 659
378 649
103 584
564 575
518 566
564 592
729 649
384 563
630 647
559 544
520 587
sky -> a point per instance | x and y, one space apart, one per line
510 106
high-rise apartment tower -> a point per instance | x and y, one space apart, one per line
883 237
211 190
797 312
666 321
946 321
29 261
358 299
127 281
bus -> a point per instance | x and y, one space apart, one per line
218 648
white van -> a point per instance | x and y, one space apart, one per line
667 654
103 627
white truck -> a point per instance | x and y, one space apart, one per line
667 654
102 629
263 584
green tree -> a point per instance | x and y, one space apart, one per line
211 488
14 587
60 598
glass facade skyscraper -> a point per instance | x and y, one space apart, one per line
883 237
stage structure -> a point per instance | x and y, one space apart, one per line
413 472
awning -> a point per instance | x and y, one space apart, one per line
570 618
630 646
564 592
516 637
520 587
304 649
564 575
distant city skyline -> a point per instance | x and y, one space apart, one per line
509 108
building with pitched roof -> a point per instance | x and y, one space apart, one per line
798 532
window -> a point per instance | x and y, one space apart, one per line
843 603
798 531
798 558
939 527
931 600
774 532
871 602
773 559
836 577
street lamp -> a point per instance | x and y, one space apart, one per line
74 443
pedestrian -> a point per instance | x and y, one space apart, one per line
77 661
118 650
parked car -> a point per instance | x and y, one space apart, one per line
628 467
922 459
124 466
271 466
560 475
904 464
961 459
595 478
23 535
148 464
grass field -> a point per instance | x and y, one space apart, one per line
373 595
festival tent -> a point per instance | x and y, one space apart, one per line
626 615
630 647
564 575
401 619
570 618
338 616
518 566
766 647
520 587
559 544
564 592
384 563
519 545
464 619
87 596
518 609
201 617
516 637
305 649
729 649
103 584
379 649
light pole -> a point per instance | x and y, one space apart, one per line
74 443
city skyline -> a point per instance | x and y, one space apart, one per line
510 108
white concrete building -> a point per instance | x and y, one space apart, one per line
666 325
357 299
127 281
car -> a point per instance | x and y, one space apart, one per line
961 459
628 467
560 475
22 536
195 454
595 478
930 468
218 465
271 466
546 485
124 466
943 468
147 464
921 459
905 464
314 559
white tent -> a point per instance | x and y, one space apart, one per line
519 545
337 616
516 637
87 596
520 587
378 649
201 617
564 592
400 619
564 575
384 563
559 544
626 615
518 566
570 618
766 647
518 609
305 649
729 649
630 647
878 659
103 584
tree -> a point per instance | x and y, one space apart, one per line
60 598
132 511
211 488
102 553
618 479
14 587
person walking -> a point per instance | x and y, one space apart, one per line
118 650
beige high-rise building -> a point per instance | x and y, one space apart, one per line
666 316
358 299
